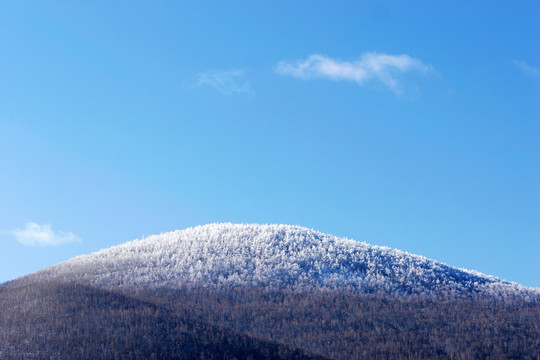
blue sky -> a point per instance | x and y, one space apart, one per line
412 125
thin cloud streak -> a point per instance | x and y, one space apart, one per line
371 66
527 69
35 235
225 81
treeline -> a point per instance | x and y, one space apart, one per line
348 326
53 321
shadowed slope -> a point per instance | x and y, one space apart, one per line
70 321
342 325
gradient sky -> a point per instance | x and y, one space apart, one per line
408 124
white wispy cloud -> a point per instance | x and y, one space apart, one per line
225 81
527 69
370 67
42 235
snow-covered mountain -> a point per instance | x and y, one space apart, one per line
280 256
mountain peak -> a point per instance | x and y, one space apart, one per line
280 256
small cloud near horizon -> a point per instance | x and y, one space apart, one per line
370 67
225 81
35 235
527 69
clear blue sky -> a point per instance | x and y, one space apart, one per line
414 125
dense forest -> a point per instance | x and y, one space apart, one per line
347 326
70 321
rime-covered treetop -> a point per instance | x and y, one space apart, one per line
282 256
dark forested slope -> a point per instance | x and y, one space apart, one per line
71 321
342 325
